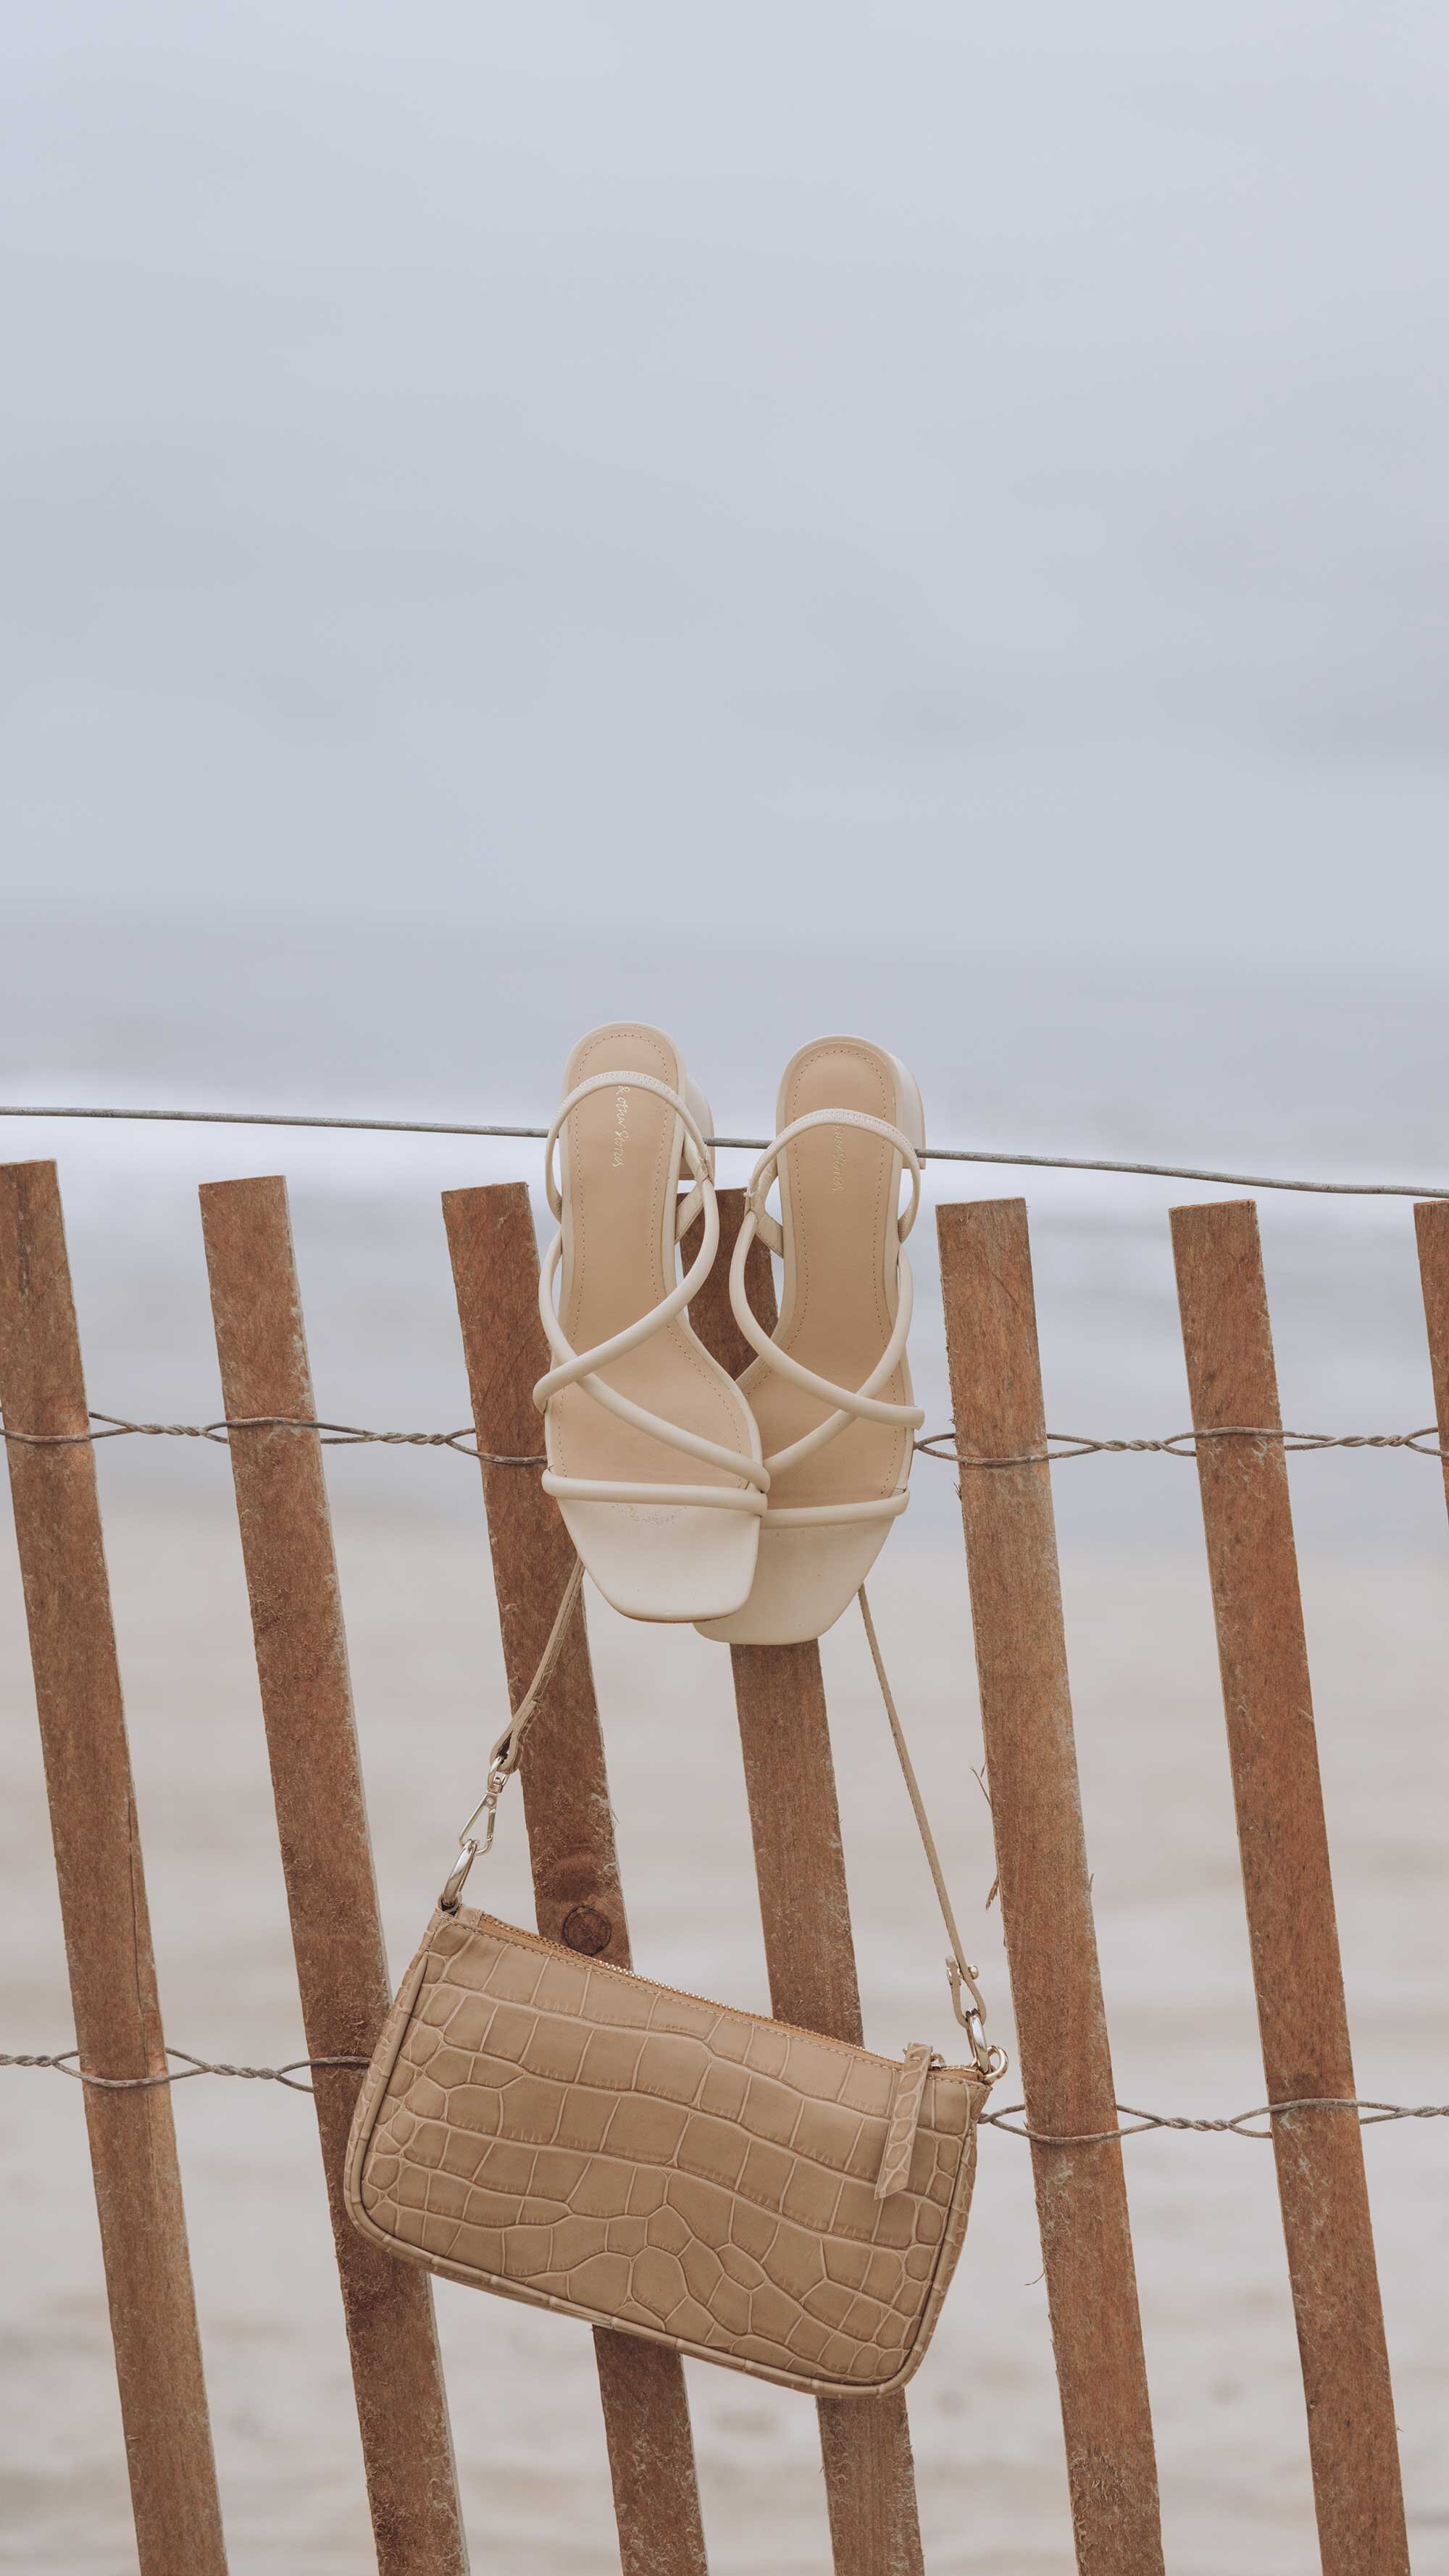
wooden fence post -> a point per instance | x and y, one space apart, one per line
566 1802
103 1890
306 1693
870 2485
1046 1904
1288 1890
1431 1225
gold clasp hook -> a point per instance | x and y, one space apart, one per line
469 1845
989 2060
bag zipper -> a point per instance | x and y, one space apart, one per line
681 1994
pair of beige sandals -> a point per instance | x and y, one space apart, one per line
753 1508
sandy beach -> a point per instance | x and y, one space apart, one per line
1221 2355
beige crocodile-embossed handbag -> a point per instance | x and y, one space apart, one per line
578 2137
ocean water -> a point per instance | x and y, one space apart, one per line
1339 1077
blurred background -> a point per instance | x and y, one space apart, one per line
870 519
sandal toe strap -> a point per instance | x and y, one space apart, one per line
607 1489
581 1368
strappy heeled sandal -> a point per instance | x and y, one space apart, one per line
831 1390
634 1393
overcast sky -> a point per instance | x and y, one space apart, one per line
971 470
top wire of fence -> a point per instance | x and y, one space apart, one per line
748 1145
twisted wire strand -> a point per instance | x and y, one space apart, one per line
1371 2114
745 1144
61 2064
331 1435
1428 1442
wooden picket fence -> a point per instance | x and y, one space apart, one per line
1045 1889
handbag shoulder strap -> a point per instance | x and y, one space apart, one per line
988 2059
504 1758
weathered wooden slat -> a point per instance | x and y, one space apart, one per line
1431 1225
306 1694
870 2488
566 1802
1046 1905
805 1910
103 1891
799 1856
1287 1884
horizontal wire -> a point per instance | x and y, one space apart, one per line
1371 2113
61 2064
749 1145
1061 1445
331 1435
